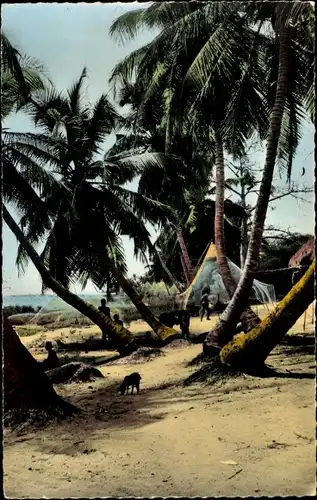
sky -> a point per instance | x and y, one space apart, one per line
67 37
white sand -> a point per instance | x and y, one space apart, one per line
172 441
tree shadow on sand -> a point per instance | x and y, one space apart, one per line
211 370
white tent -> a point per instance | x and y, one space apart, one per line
208 275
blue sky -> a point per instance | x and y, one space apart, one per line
67 37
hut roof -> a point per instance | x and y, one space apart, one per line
306 251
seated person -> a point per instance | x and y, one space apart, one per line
104 309
52 360
117 321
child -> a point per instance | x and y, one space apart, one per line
52 360
117 320
103 308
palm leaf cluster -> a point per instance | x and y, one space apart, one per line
208 76
77 204
215 65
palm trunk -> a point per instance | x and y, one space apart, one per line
219 219
249 319
243 230
244 242
225 329
28 393
184 270
251 350
168 272
163 332
185 255
120 336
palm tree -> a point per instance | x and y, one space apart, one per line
250 351
33 190
74 250
173 20
122 338
293 85
207 92
21 76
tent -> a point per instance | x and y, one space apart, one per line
208 275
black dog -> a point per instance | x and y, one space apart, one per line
132 381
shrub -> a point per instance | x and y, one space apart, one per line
11 310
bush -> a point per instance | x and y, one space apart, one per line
11 310
27 331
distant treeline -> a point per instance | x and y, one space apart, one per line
10 310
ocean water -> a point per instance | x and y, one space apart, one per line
51 302
54 303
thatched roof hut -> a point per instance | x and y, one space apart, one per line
305 255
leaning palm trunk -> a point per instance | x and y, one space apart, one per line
120 336
163 332
225 329
168 272
248 319
185 256
28 393
250 351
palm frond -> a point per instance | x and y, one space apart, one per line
103 121
74 93
127 25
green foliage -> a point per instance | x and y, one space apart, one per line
10 310
277 252
21 77
27 331
87 195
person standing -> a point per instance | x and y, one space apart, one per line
204 305
104 309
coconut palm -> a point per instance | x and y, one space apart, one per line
33 189
221 48
33 192
20 77
294 47
231 111
74 249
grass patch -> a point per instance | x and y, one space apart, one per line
25 331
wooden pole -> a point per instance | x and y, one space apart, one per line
304 324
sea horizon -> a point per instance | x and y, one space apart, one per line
39 300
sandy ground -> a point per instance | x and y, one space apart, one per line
247 436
